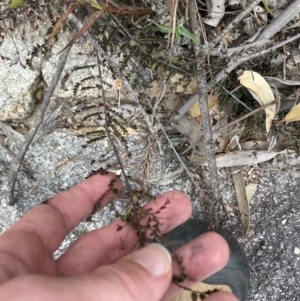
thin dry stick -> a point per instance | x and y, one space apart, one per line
38 121
235 63
257 54
232 123
203 102
109 136
245 116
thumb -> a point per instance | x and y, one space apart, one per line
142 275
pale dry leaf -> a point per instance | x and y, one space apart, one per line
180 83
261 91
195 111
241 197
216 11
250 27
184 85
154 89
238 158
117 84
250 191
293 115
260 14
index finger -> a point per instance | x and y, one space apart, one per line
52 221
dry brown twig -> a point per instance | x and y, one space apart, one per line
245 116
15 167
236 121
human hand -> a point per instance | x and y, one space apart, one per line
96 266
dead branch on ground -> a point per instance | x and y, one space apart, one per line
38 122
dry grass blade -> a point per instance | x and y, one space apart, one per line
121 9
91 20
173 6
107 6
61 20
131 11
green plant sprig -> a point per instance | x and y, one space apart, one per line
179 31
16 3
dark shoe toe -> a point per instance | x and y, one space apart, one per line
235 275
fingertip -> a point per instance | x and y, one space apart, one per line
176 194
202 257
178 204
214 252
217 246
99 183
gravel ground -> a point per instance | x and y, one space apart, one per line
272 244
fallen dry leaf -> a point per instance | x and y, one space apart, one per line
264 145
250 191
261 91
293 115
216 11
195 111
241 197
181 84
184 85
117 84
238 158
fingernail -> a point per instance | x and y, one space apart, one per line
155 258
